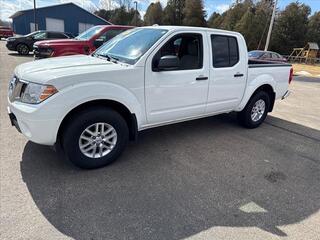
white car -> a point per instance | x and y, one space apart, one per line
143 78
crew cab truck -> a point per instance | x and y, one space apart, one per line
143 78
85 43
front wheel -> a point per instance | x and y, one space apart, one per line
23 49
95 137
255 111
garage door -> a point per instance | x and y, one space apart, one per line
53 24
84 26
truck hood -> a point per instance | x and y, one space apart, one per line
48 70
58 42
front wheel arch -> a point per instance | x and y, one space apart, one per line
130 118
22 44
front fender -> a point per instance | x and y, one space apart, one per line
59 105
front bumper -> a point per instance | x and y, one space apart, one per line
40 53
33 123
10 46
13 120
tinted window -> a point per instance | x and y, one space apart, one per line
187 47
89 33
110 34
225 51
40 35
56 35
275 56
267 55
255 54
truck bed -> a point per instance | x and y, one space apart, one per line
277 72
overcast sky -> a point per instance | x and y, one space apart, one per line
8 7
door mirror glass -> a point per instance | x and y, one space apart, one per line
98 42
169 62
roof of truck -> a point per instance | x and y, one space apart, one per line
170 27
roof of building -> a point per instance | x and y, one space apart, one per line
18 13
313 46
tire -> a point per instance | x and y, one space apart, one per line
77 132
247 116
23 49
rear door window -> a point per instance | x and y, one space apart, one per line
225 52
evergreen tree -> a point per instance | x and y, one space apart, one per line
313 34
173 12
254 24
290 28
232 16
194 14
153 14
214 20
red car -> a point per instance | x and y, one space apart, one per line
85 43
5 32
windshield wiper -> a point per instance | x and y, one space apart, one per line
112 58
108 57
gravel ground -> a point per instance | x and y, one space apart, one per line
204 179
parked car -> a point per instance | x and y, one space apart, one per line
24 44
5 32
84 43
143 78
266 56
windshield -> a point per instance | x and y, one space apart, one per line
255 54
86 35
130 45
32 34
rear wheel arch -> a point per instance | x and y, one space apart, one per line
129 117
270 91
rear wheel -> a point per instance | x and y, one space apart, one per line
95 137
23 49
255 111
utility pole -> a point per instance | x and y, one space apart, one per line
271 25
136 13
35 16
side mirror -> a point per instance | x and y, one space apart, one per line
167 63
98 42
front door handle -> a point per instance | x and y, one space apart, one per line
238 75
201 78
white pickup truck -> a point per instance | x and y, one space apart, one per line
143 78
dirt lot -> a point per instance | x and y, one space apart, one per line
307 70
205 179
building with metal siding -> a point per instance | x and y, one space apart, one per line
67 17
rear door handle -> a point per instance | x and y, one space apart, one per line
238 75
201 78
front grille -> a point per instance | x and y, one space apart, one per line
15 88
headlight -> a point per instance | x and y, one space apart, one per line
46 51
35 93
